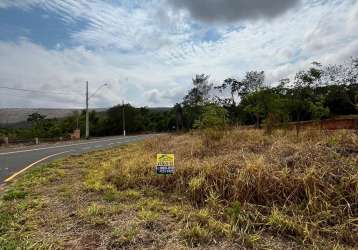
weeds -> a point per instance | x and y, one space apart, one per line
122 238
284 183
196 235
242 189
285 225
176 212
148 216
95 210
130 194
247 239
14 194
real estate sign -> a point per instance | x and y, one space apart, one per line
165 164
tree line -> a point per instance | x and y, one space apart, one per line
110 122
321 91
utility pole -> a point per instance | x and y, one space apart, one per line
124 119
87 100
87 114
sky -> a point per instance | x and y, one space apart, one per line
147 51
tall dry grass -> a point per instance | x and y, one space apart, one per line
303 187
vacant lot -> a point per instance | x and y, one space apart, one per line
233 189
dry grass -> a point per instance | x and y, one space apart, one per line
232 190
305 188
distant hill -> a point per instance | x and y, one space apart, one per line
18 115
159 109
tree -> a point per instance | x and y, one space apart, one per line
310 78
212 116
196 98
251 86
38 123
233 85
266 104
199 94
253 82
340 100
318 110
341 74
178 117
36 117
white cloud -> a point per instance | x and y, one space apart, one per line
24 4
109 25
352 21
31 66
148 53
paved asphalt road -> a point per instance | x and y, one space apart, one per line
14 160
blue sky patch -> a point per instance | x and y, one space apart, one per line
42 27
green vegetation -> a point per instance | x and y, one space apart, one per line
317 93
246 189
102 124
14 194
233 188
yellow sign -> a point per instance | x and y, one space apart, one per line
165 160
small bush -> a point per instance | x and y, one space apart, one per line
123 237
220 229
130 195
110 195
196 235
212 116
95 210
284 224
14 194
148 216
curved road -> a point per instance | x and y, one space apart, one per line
15 161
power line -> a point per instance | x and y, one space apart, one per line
20 95
35 91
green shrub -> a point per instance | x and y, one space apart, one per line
212 116
14 194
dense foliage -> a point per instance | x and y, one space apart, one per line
101 123
317 93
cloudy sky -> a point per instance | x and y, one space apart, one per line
148 50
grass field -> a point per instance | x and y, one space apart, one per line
231 190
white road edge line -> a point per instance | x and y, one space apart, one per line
33 164
62 146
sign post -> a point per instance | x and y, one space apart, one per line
165 164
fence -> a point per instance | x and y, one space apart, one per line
344 122
6 141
